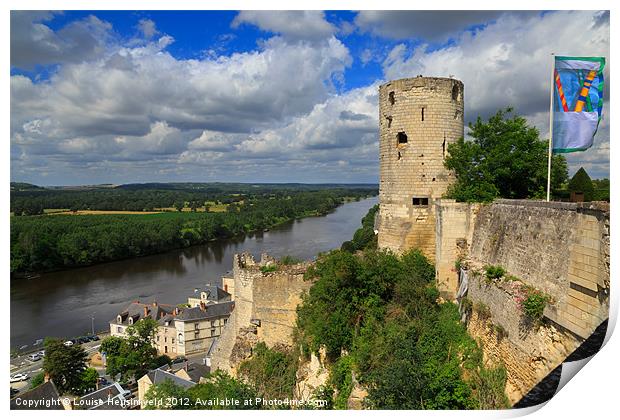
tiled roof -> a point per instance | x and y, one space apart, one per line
135 310
159 376
214 310
43 395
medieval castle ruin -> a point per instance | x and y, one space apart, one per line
559 249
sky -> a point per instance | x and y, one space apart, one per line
167 96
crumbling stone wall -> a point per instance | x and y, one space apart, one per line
265 302
418 118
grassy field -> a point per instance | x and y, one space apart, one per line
98 212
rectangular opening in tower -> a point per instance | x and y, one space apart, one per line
420 201
401 137
391 98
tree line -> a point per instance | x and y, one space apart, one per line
41 243
34 200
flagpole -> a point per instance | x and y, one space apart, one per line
550 128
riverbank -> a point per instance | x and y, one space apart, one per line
62 302
42 244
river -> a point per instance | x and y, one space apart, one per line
63 303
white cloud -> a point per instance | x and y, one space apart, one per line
292 24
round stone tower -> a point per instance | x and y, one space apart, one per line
418 118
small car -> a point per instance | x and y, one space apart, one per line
68 343
14 392
41 353
34 357
18 377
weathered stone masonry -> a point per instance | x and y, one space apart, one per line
561 249
265 308
418 118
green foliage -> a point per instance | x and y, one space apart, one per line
364 237
167 396
37 380
341 380
272 373
221 385
271 268
88 381
135 355
409 351
505 158
488 385
581 182
534 304
40 243
494 272
601 189
64 364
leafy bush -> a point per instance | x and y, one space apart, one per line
272 373
269 268
534 304
494 272
466 304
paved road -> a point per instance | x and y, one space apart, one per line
21 364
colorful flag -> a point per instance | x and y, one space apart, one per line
578 102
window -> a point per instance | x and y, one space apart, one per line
180 338
173 341
212 332
389 121
119 319
402 138
422 113
391 98
165 339
420 201
212 324
455 93
157 338
197 334
130 321
225 321
196 325
119 329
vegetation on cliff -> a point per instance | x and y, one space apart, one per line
378 315
504 158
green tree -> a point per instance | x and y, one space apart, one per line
37 380
64 364
220 385
581 182
88 381
271 372
505 158
167 396
134 355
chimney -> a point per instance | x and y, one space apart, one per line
202 306
175 312
46 378
146 311
154 304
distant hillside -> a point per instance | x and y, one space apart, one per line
24 186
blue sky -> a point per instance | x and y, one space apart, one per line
139 96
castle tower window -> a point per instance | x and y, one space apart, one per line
391 98
401 137
422 113
455 93
389 121
420 201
